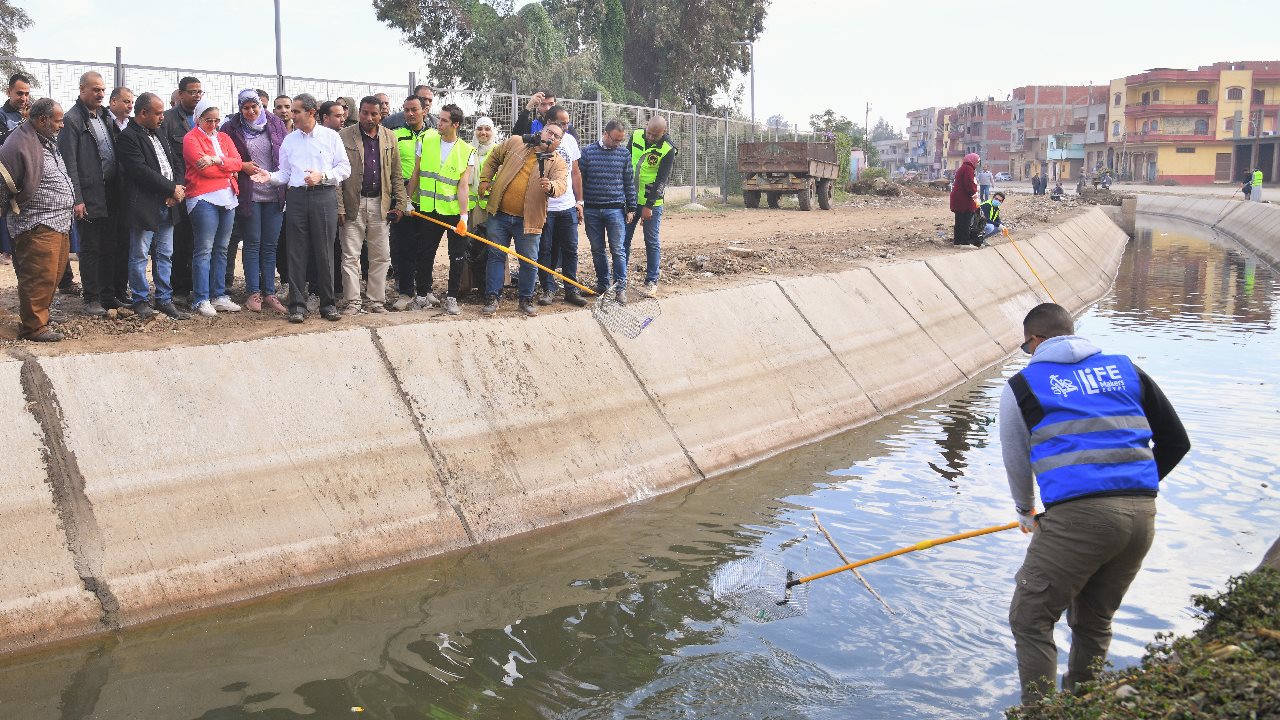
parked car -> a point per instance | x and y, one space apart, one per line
1003 176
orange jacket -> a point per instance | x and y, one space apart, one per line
195 145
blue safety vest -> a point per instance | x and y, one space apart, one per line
1089 435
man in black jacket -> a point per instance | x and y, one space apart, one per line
178 121
152 192
87 144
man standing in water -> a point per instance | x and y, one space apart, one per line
1098 435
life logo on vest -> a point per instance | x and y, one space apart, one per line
652 159
1092 381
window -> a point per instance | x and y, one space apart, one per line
1155 125
1235 93
1258 96
1115 129
1202 127
1146 98
1202 97
1145 125
1185 150
1229 124
1155 96
1117 100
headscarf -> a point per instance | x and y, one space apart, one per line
483 149
257 127
973 159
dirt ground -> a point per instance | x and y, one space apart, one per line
701 250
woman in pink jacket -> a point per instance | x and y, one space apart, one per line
212 166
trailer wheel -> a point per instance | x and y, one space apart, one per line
751 198
805 196
773 198
825 190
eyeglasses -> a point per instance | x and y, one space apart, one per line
1026 345
197 93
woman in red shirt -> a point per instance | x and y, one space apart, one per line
212 166
963 188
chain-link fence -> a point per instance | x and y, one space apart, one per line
708 157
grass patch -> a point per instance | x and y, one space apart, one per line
1230 668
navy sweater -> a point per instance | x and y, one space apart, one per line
607 180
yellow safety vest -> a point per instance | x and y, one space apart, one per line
1257 178
438 184
645 161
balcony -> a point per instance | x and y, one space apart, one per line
1179 108
1139 138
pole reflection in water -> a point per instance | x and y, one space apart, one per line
612 617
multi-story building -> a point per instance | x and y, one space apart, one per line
893 153
1167 125
921 136
942 154
984 127
1094 119
1043 115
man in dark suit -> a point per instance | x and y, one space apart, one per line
87 144
178 121
152 192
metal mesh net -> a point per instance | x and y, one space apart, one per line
627 319
756 588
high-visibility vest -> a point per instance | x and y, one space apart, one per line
1257 178
645 161
473 199
409 144
1089 434
992 215
438 184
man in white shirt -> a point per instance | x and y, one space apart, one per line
121 106
313 163
559 245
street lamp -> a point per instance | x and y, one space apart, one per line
751 46
279 56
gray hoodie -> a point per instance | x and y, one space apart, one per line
1015 436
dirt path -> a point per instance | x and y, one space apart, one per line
702 250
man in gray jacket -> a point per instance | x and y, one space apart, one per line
87 144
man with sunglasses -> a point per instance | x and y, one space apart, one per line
1097 435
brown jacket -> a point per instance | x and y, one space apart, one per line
504 162
22 157
393 192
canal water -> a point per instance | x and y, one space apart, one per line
613 617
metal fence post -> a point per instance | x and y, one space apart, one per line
413 81
693 191
515 103
119 69
724 170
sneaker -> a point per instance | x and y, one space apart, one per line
402 303
526 307
171 311
546 297
451 306
351 309
621 296
94 308
491 306
143 310
205 308
313 303
376 307
253 303
330 313
224 303
295 316
272 303
649 290
423 302
574 297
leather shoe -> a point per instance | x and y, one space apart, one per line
94 309
295 317
46 336
143 310
173 312
331 314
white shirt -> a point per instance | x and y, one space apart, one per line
570 151
121 124
321 149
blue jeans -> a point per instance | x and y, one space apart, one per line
260 232
611 222
210 229
140 248
984 192
559 246
502 229
652 246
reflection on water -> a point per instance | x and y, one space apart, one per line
612 617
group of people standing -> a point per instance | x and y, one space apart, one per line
353 192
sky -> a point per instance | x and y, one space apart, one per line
813 55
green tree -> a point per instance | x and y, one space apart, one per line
884 131
613 45
13 19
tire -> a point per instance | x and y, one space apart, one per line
805 197
825 190
751 198
773 198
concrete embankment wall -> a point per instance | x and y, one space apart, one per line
143 484
1254 225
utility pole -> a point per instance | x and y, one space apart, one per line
866 131
279 55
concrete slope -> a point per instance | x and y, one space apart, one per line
1255 225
